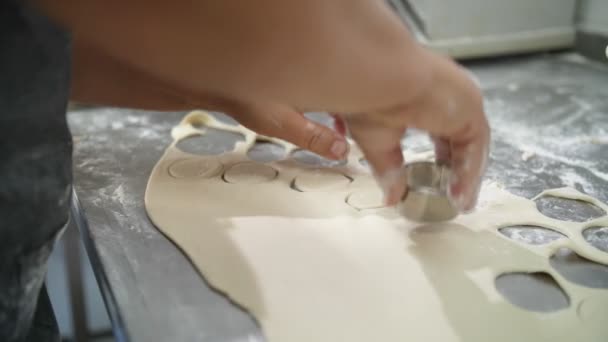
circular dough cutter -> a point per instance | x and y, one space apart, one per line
426 199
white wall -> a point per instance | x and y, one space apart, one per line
593 16
444 19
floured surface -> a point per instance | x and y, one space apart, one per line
311 267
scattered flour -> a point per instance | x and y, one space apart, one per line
117 125
559 139
526 155
572 179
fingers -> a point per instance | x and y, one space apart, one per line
382 149
468 164
453 114
285 123
443 152
315 137
339 124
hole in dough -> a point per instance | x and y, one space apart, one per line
567 209
265 151
371 198
597 237
199 122
212 142
579 270
320 180
532 235
536 291
223 118
364 163
309 158
250 173
195 167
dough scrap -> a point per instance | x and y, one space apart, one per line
311 268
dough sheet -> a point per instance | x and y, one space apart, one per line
313 255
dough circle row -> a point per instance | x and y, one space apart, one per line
256 173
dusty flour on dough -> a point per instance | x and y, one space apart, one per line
325 262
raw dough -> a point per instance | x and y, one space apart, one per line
195 167
250 173
370 198
310 267
320 180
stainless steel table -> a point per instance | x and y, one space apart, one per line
550 129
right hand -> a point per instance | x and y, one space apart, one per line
287 57
450 109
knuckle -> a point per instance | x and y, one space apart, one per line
315 138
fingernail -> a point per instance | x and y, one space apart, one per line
452 181
339 148
457 198
470 208
473 202
459 201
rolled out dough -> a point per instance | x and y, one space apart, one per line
370 198
195 167
249 173
320 180
311 267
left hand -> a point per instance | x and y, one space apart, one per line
291 125
100 79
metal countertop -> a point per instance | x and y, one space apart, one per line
549 115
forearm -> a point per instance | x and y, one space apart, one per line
349 55
100 79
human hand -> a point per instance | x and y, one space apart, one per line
284 122
100 79
348 56
450 109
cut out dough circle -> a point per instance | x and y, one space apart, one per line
250 173
320 180
195 167
370 198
